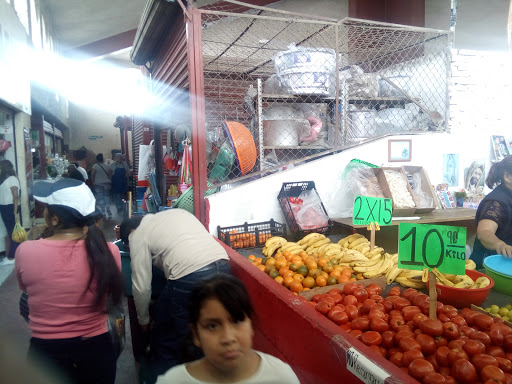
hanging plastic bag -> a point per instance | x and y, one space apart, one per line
19 235
311 214
146 160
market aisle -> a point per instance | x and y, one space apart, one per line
14 330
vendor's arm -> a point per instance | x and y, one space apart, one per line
486 232
93 174
141 274
14 191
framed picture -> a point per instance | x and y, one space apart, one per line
399 150
500 147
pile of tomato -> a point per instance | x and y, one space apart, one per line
463 346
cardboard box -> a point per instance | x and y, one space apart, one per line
426 187
397 212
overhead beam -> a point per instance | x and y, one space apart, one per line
104 46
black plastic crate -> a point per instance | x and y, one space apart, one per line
250 235
294 190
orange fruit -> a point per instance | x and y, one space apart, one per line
321 281
281 263
322 261
298 277
306 289
312 265
282 271
313 273
288 280
288 273
332 280
343 279
271 261
279 280
286 253
273 273
346 272
335 273
289 257
251 257
257 261
278 254
302 253
324 274
261 267
328 268
296 260
359 276
293 267
308 282
296 286
303 270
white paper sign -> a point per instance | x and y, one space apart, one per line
362 367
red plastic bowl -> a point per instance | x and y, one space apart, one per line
460 297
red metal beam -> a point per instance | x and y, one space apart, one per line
105 46
197 107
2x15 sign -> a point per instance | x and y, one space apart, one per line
432 246
372 209
364 369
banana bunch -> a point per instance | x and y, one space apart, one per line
19 235
405 277
272 244
375 267
460 281
291 247
470 264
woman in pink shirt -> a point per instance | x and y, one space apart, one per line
68 275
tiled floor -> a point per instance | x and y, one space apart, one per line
14 330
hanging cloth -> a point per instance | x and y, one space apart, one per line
186 167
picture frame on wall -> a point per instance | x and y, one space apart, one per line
399 150
500 147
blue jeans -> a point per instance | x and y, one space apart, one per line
170 329
7 213
80 360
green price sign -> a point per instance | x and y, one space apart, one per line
432 246
372 209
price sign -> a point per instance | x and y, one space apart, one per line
432 246
365 369
372 209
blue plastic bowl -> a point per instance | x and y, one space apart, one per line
499 268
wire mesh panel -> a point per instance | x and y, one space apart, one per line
303 87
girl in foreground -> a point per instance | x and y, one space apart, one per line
220 320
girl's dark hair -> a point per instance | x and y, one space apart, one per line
99 157
229 290
497 172
104 269
7 169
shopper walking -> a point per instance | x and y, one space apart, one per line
176 242
120 172
9 206
68 275
494 215
101 176
220 314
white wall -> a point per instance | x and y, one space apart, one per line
257 200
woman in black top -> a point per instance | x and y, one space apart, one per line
494 215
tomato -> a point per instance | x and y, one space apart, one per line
456 344
419 318
338 317
408 343
388 305
470 316
356 333
432 327
464 372
402 334
395 291
349 288
418 299
396 358
449 380
376 314
425 307
459 321
377 298
495 351
340 307
324 307
507 343
419 368
466 331
329 299
318 297
378 307
504 364
346 326
400 303
484 322
434 378
432 359
505 329
379 325
481 336
445 371
481 360
496 336
352 312
450 330
374 289
361 323
410 294
360 294
457 354
335 291
442 356
490 372
440 341
443 318
473 347
371 338
427 343
365 308
388 339
410 311
411 355
337 298
380 350
349 300
508 379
